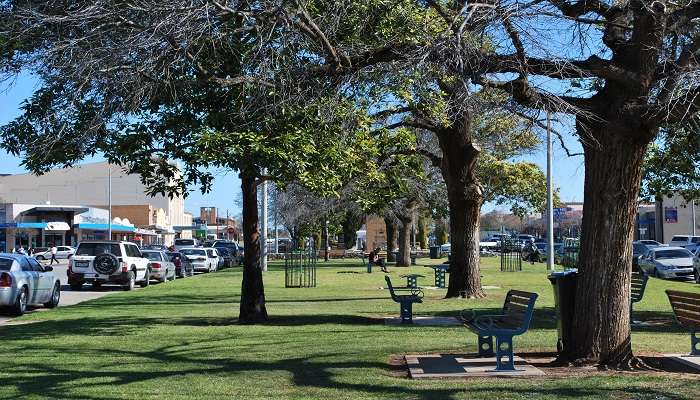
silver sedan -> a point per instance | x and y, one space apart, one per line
24 282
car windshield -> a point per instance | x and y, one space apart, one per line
184 242
668 254
679 239
193 252
151 255
93 249
229 245
5 264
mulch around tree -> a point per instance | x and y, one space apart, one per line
659 365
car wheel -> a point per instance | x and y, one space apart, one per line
96 284
76 286
172 278
40 258
55 297
129 285
146 279
20 306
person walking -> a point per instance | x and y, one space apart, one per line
54 250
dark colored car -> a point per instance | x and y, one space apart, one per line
227 254
236 252
183 266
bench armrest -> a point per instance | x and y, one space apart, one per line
417 292
470 314
485 321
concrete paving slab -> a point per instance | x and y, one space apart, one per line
439 366
425 321
691 361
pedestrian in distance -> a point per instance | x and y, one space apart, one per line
531 251
376 260
54 250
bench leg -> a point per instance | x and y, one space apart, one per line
406 312
485 346
504 353
412 282
694 343
440 279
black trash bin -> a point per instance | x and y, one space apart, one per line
564 285
434 252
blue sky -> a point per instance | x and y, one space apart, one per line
568 172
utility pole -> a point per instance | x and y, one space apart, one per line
263 246
325 241
692 204
550 200
277 238
109 199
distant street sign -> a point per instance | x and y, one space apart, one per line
559 213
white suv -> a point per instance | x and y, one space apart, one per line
107 261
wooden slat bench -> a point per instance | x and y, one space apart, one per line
514 320
639 284
405 300
686 307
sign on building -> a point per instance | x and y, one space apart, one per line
670 215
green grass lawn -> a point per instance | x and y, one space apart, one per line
179 341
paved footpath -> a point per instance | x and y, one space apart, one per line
69 297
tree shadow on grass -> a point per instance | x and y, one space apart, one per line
179 362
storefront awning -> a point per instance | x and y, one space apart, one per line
47 226
105 227
49 209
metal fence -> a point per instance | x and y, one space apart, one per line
511 255
300 268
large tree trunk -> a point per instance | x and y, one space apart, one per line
404 259
464 192
613 155
465 274
391 240
252 308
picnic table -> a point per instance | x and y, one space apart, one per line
440 271
412 280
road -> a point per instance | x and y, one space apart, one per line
69 297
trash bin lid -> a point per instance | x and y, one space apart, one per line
560 274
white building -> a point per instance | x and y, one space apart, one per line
87 185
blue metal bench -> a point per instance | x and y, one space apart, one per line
405 300
440 271
639 284
686 308
514 320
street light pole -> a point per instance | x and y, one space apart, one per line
550 200
109 199
692 204
263 247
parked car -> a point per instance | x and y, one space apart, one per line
685 241
227 257
639 248
231 246
108 261
159 247
668 262
24 281
185 243
183 266
162 268
62 252
202 259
